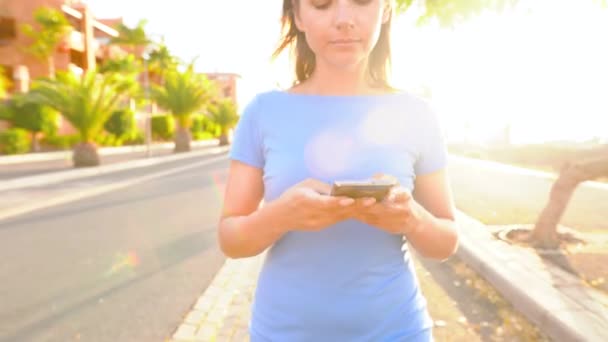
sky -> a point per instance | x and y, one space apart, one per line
541 67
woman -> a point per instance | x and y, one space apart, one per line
335 270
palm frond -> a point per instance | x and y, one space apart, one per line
183 93
224 114
86 102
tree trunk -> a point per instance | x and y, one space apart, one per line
35 143
224 139
571 174
51 63
85 154
182 139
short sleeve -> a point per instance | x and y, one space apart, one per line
247 145
433 154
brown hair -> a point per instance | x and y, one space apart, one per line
379 61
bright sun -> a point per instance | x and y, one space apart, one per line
541 68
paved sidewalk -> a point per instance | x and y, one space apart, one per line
222 312
16 167
558 303
103 151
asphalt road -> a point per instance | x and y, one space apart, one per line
123 266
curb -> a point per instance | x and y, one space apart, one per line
514 169
104 151
540 299
61 176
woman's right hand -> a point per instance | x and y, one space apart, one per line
307 206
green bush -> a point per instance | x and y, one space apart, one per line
136 138
203 136
64 142
107 140
163 127
203 128
22 111
14 141
198 124
121 123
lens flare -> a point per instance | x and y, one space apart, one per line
128 261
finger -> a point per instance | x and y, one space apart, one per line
398 195
345 201
368 201
365 202
324 201
403 195
318 186
385 176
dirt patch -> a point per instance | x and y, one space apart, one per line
583 254
465 307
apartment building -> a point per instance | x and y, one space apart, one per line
86 46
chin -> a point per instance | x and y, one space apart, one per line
346 63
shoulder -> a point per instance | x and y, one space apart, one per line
267 97
263 102
414 102
410 107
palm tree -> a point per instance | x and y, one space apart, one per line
183 94
162 61
133 38
86 103
224 115
54 27
127 64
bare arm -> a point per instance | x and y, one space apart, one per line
438 236
245 229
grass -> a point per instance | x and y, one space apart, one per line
513 204
549 157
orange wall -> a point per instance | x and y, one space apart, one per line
226 82
22 11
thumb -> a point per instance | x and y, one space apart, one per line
318 186
399 195
385 176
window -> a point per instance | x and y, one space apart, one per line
8 29
8 71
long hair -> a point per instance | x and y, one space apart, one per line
379 61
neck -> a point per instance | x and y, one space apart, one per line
328 80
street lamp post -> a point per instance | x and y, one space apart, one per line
146 56
148 127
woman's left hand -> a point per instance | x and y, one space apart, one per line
398 213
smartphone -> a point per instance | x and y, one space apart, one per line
376 188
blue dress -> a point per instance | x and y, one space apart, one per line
349 282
